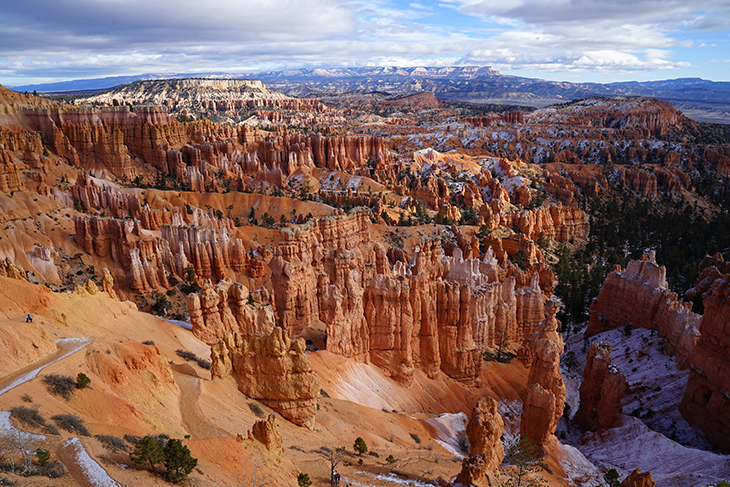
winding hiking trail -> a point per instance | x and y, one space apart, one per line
84 469
194 420
65 347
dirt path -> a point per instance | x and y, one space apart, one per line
194 421
84 469
65 347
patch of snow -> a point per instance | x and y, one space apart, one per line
182 324
387 478
8 430
76 344
577 467
93 471
450 427
633 445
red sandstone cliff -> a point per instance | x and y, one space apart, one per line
437 313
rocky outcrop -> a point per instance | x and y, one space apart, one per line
9 269
638 479
486 451
229 307
204 247
108 283
9 173
706 402
559 222
639 296
545 399
602 389
273 370
267 433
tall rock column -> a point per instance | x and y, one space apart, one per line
545 399
486 451
602 389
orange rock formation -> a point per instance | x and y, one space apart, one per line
486 451
545 399
273 370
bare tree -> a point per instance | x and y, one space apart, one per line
335 457
258 478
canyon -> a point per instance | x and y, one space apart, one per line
394 268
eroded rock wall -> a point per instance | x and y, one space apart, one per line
436 313
639 296
706 401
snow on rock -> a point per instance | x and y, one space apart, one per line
93 472
450 428
382 479
633 445
577 467
72 345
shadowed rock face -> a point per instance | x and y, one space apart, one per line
639 296
273 370
545 399
602 389
706 402
486 451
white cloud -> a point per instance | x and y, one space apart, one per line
93 38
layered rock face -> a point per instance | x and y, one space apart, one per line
486 451
639 296
706 401
273 370
229 307
206 248
436 313
602 389
545 399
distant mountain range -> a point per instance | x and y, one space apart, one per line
700 99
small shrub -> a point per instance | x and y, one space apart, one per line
71 423
42 457
113 443
303 480
82 381
60 385
31 417
26 398
611 478
191 357
256 409
148 342
147 450
133 439
390 459
416 438
178 461
360 446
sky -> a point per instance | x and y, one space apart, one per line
45 41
